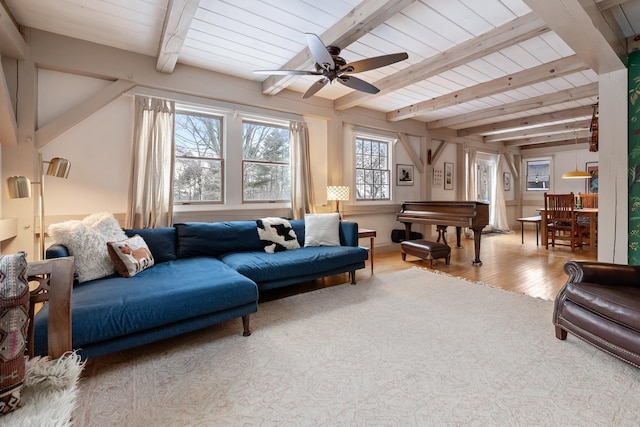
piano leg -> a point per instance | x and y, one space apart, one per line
458 233
477 232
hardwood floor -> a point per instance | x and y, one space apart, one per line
507 264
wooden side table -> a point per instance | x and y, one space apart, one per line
365 232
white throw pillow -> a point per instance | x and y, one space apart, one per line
322 229
86 241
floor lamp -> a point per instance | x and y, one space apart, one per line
19 187
337 193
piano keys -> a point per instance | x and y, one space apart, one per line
474 215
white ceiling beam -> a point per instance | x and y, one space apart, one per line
76 114
362 19
415 158
559 97
558 68
516 31
556 116
608 4
177 22
8 124
12 44
566 136
538 131
584 30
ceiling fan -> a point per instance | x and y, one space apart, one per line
331 66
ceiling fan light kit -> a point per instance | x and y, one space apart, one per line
331 66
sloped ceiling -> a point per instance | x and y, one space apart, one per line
524 72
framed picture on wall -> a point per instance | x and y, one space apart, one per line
507 181
592 183
448 176
404 174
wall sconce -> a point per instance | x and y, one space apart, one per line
337 193
19 187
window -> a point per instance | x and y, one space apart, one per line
266 173
198 170
373 175
538 175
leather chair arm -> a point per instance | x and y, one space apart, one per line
603 273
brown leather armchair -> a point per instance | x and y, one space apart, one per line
600 303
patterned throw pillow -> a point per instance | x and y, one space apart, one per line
130 256
14 321
276 234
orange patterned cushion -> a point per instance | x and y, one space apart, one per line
14 321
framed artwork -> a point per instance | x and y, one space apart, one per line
437 178
404 174
448 176
507 181
592 183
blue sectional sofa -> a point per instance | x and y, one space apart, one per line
204 273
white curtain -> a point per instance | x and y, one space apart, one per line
302 197
151 190
500 221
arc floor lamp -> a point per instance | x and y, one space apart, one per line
19 187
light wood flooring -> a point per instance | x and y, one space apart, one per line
506 263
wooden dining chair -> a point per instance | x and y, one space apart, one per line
588 200
561 220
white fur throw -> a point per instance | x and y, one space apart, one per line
87 242
276 234
49 393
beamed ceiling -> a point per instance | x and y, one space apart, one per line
523 72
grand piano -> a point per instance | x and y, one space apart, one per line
474 215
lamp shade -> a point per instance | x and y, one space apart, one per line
337 192
59 167
576 174
18 187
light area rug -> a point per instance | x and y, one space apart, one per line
49 393
409 348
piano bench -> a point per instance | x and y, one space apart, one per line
425 249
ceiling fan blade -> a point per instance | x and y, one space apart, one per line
319 52
372 63
358 84
288 72
316 87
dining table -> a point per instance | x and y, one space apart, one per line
591 213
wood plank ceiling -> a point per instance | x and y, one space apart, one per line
514 71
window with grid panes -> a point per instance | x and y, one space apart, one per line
373 173
198 168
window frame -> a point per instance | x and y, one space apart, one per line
185 110
549 160
283 124
389 166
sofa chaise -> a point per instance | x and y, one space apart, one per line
204 273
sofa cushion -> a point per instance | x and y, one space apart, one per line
161 241
87 243
260 266
156 297
276 234
322 229
617 303
130 256
215 238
